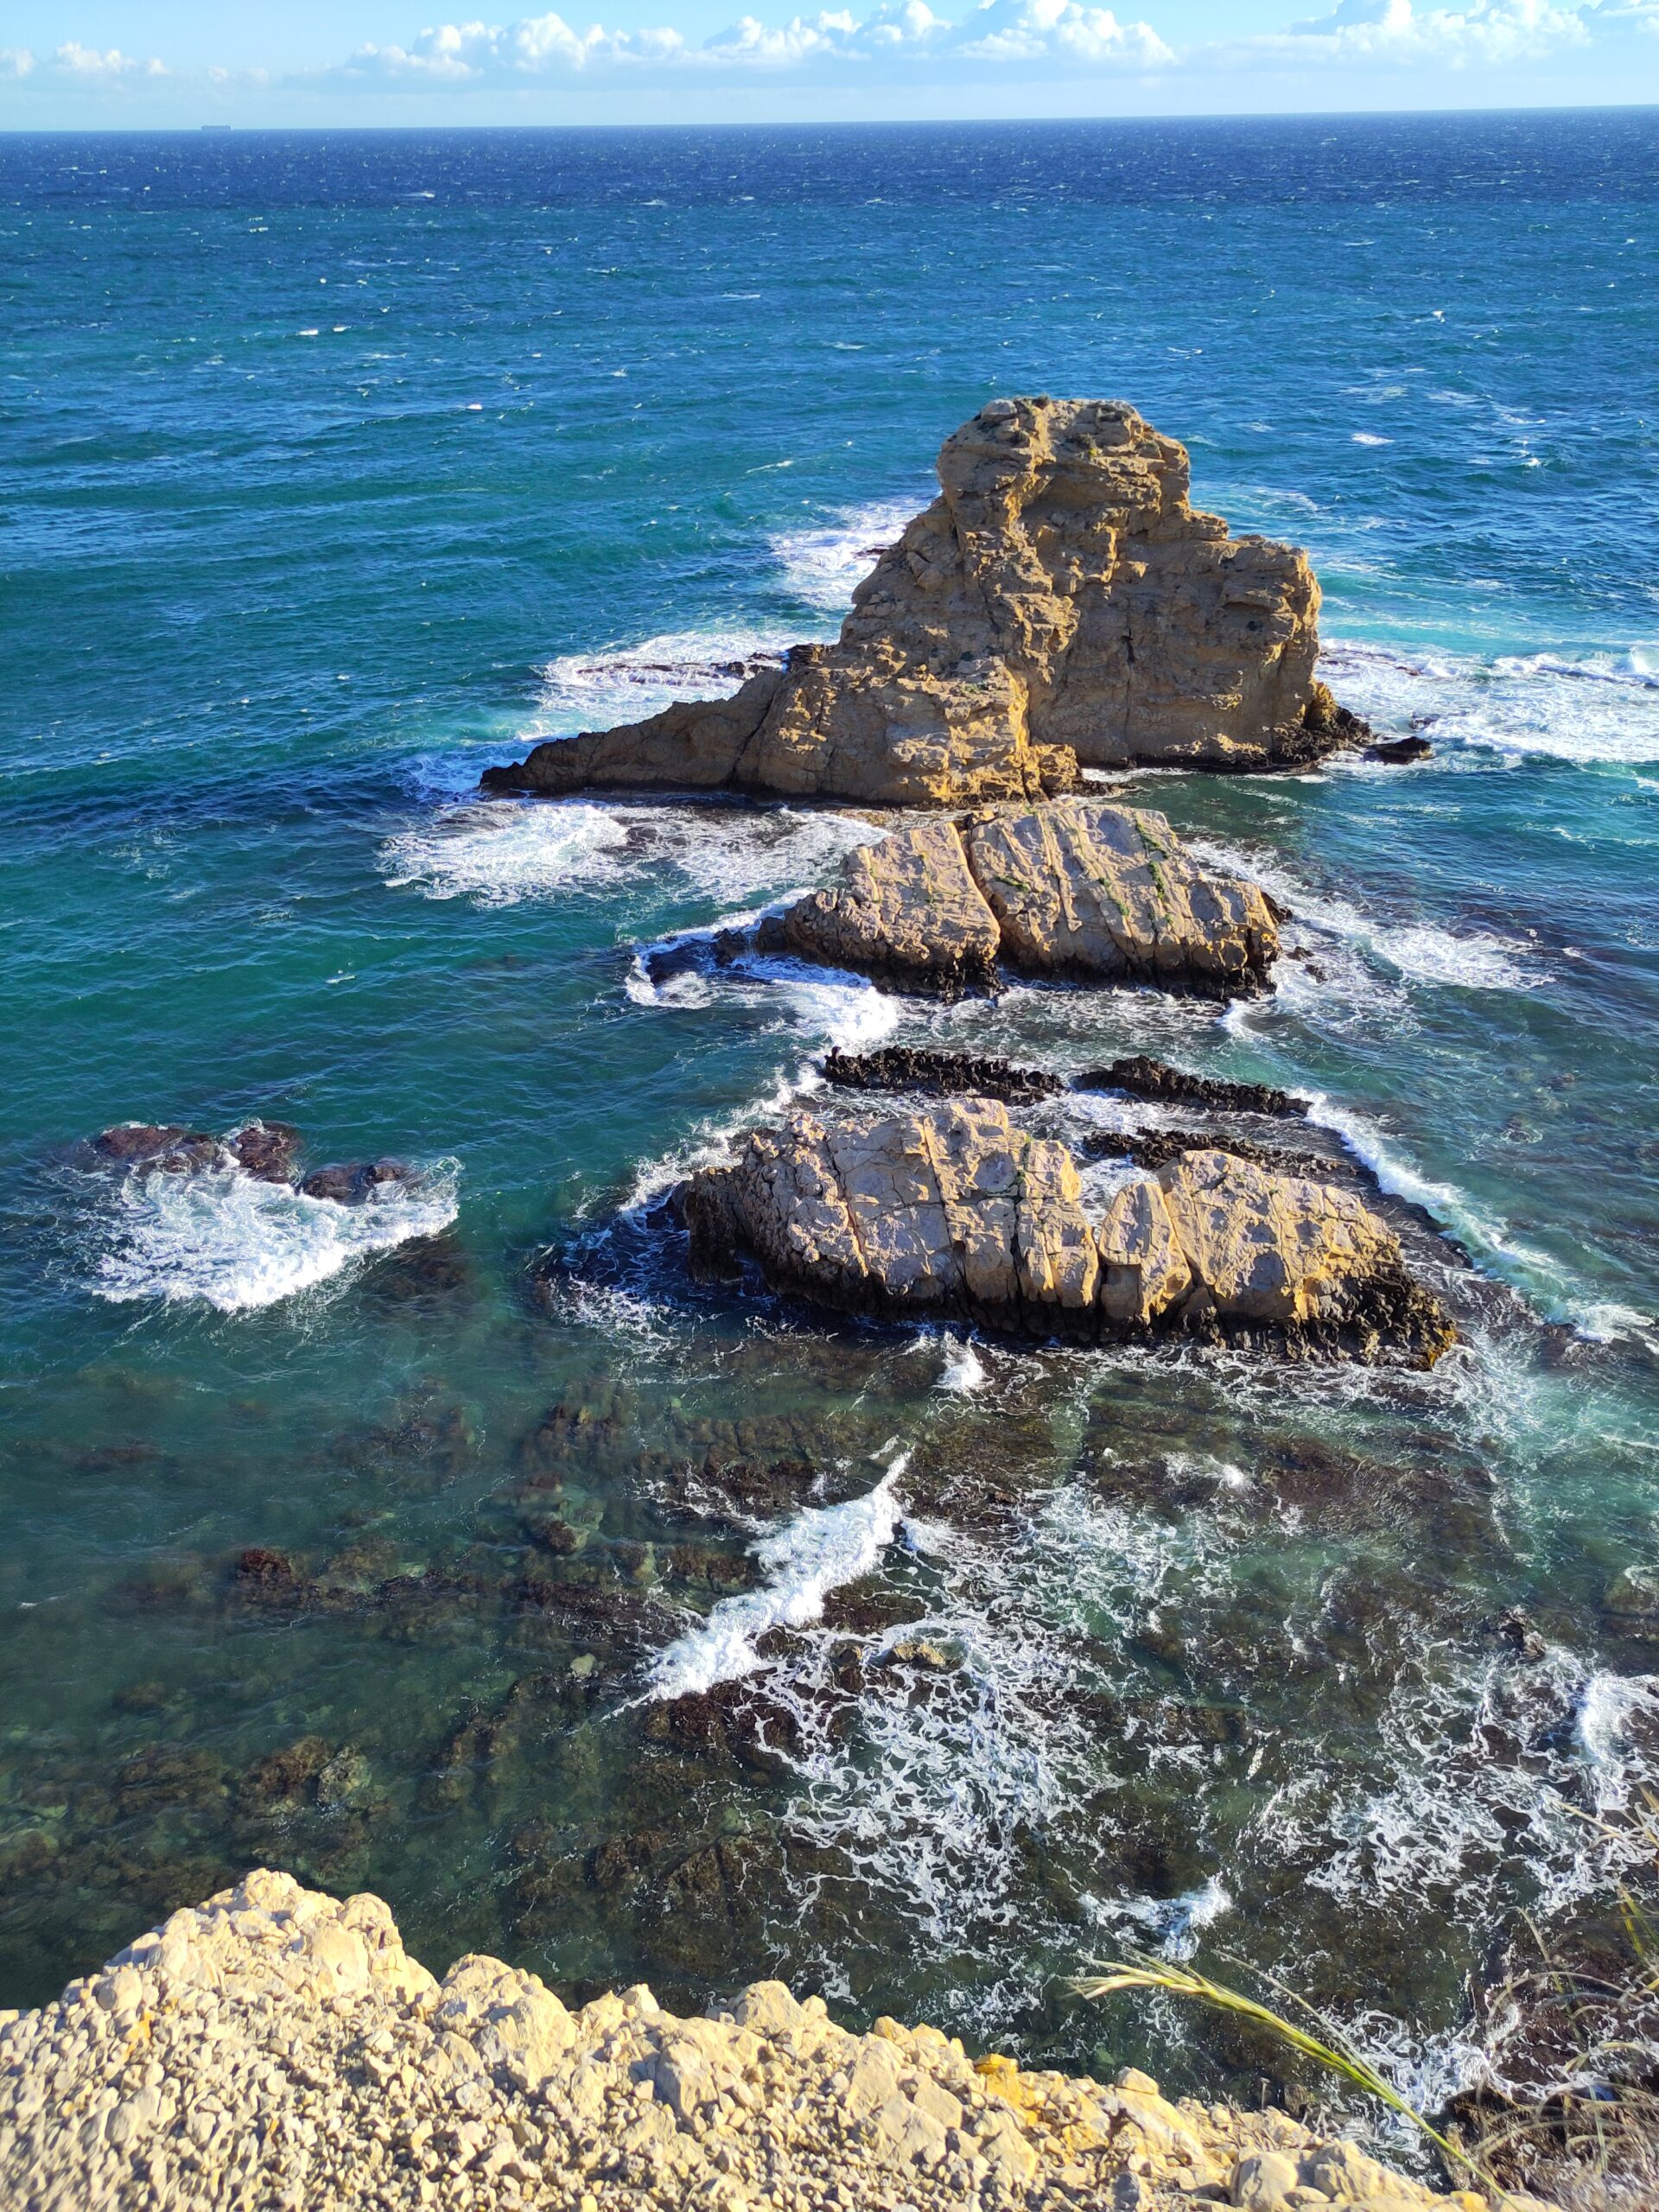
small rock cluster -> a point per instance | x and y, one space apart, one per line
268 1150
277 2051
1086 892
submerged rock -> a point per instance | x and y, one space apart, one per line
1088 891
1061 601
954 1211
349 1185
167 1149
1400 752
1142 1077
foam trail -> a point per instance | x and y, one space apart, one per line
502 853
1600 708
815 1553
822 565
1523 1266
226 1239
1418 953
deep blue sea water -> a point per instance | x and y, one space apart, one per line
333 467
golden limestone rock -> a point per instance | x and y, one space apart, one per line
1061 601
955 1212
1074 889
276 2048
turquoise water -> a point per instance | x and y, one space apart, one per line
334 468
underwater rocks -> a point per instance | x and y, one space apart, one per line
1072 890
1400 752
955 1212
289 2040
1061 601
268 1150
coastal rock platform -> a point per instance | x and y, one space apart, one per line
953 1211
1061 602
1070 890
275 2049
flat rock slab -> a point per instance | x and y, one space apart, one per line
954 1211
1072 890
1061 601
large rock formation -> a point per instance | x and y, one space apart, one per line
273 2048
1095 893
955 1212
1060 602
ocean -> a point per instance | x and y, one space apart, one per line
371 1543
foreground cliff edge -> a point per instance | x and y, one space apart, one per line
276 2048
1061 603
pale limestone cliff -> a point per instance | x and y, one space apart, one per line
1087 892
276 2050
955 1212
1061 601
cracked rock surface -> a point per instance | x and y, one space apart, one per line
1087 892
1061 601
274 2049
954 1211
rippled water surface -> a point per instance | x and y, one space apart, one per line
333 468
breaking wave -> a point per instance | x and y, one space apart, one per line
226 1239
820 1549
503 853
1603 707
822 563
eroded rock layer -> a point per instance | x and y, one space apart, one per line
1091 893
1061 601
276 2048
953 1211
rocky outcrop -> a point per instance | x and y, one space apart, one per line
1142 1077
938 1075
1072 889
267 1151
1061 601
276 2048
955 1212
907 910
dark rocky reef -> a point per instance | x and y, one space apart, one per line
938 1075
1140 1077
268 1150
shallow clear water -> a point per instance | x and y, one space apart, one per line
333 468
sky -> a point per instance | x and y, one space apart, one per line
110 64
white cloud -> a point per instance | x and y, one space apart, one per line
999 33
87 64
16 62
1395 32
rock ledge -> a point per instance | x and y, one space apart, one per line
278 2049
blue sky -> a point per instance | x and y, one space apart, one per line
68 64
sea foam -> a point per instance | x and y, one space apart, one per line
823 1548
1587 709
228 1241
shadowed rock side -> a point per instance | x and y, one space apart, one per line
955 1212
1085 891
1060 602
275 2048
